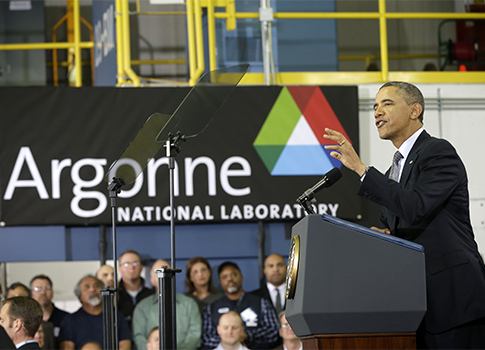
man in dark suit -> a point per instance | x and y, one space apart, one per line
21 318
424 196
274 290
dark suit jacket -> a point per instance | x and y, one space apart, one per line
263 292
430 206
5 341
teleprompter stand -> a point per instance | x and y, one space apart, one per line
192 116
110 295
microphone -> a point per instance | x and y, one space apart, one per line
328 180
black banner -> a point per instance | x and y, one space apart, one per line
261 152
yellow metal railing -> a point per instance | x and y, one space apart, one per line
196 50
75 45
194 13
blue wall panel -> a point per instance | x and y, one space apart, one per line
34 243
216 242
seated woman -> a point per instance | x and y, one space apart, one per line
199 282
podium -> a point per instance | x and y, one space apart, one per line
355 288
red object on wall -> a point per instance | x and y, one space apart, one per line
470 40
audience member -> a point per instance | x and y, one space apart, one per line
91 346
21 318
39 336
106 274
18 289
274 289
132 286
290 340
145 317
261 323
231 332
86 324
199 282
153 342
42 291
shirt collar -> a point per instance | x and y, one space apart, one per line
25 342
407 145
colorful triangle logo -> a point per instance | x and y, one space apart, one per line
291 141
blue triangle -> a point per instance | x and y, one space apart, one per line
303 160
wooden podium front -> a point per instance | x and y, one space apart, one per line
385 341
354 288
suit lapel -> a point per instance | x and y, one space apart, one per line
413 157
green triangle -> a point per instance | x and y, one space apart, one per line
280 122
269 154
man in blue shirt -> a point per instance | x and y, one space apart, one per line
86 324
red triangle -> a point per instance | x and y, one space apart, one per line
301 95
320 115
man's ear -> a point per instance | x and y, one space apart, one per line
417 110
18 324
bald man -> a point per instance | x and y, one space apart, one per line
145 316
106 274
274 290
231 331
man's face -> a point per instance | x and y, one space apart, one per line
42 291
153 342
230 329
231 280
393 115
275 269
107 274
5 321
285 330
157 265
130 266
90 294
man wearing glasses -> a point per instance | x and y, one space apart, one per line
132 286
42 290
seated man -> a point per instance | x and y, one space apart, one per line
86 324
261 324
18 289
290 340
132 288
21 318
106 274
231 331
145 317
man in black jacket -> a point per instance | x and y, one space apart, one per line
21 318
132 285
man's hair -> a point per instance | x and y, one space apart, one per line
41 277
132 252
151 332
280 315
21 285
226 264
409 92
26 309
77 289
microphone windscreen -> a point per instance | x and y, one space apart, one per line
333 176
